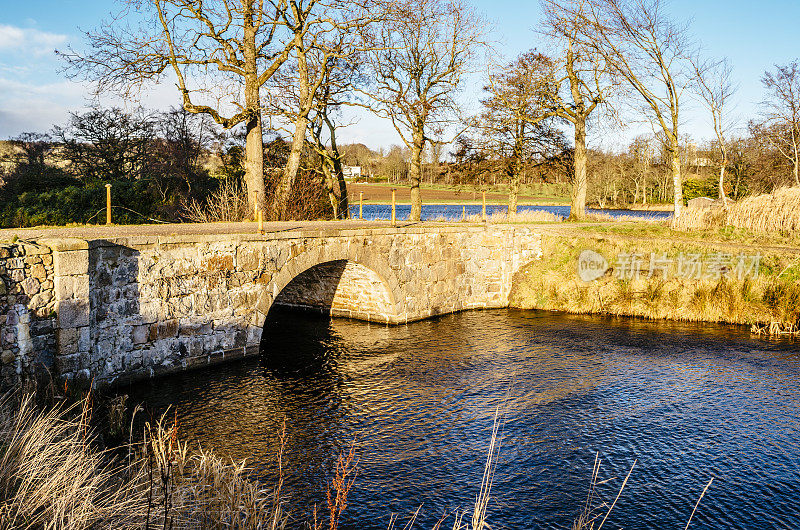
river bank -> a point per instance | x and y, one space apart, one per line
664 275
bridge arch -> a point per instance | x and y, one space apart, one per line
351 272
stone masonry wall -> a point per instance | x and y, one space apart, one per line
27 311
138 307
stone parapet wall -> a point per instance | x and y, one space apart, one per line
137 307
27 311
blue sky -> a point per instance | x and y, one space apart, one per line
34 95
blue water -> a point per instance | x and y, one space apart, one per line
383 212
687 402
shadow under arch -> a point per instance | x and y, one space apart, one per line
336 280
298 336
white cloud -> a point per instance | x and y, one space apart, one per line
13 38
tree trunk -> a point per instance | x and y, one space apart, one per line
513 188
796 171
330 185
578 206
281 200
254 141
414 175
722 182
677 181
254 163
338 172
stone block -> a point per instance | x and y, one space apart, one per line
72 263
36 250
84 339
168 329
68 341
72 313
64 287
7 357
188 329
140 334
39 272
31 286
247 259
65 364
40 300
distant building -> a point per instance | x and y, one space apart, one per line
351 172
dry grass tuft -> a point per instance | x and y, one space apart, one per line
778 211
52 477
228 203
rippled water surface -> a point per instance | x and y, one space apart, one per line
688 402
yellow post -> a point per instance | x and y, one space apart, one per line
484 206
394 218
108 204
361 206
463 213
260 216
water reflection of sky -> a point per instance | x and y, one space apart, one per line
374 212
689 401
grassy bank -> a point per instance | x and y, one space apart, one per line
768 301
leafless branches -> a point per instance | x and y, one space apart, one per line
418 59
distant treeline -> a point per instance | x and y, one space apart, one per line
159 165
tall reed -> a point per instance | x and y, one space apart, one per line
778 211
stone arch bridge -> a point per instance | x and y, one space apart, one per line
115 310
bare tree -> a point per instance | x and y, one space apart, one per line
641 45
318 76
341 78
219 52
781 111
332 39
420 55
517 118
585 74
715 88
108 144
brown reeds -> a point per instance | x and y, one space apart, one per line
778 211
53 475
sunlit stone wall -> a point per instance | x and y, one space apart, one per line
138 307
